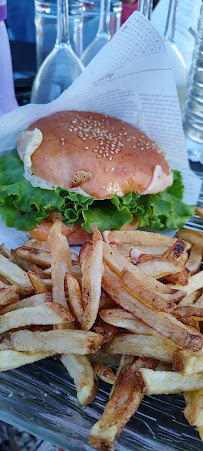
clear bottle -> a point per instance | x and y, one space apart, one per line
193 107
7 93
177 62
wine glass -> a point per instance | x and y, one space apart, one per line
177 62
145 7
103 34
61 67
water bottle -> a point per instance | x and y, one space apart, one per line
7 93
193 107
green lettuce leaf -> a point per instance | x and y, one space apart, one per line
22 206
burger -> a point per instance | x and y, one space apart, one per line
88 168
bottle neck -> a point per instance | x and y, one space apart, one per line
145 7
171 21
62 36
104 18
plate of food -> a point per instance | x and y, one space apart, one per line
99 341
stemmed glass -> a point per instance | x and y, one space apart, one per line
145 7
61 67
103 34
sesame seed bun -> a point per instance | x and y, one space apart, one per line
100 154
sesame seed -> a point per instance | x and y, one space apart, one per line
110 158
112 169
86 148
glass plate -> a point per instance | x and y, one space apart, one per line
41 399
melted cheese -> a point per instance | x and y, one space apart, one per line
160 181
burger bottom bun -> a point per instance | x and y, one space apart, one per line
75 235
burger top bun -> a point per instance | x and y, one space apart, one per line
97 153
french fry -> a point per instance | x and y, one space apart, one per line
142 249
104 372
14 359
57 341
194 407
195 283
165 382
47 313
121 318
37 244
143 294
14 275
138 238
193 236
80 369
188 362
92 269
7 253
125 400
37 283
32 301
8 295
117 263
195 258
160 268
186 311
199 212
175 251
74 297
60 262
190 299
102 357
162 322
42 273
107 331
182 277
151 346
33 255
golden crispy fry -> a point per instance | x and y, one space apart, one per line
47 313
182 277
33 255
190 299
195 283
14 275
194 407
199 211
195 258
8 254
42 273
121 318
186 311
151 346
193 236
14 359
163 323
92 269
104 372
188 362
37 244
125 400
160 382
74 297
107 331
138 238
175 251
32 301
57 341
145 295
117 263
37 283
80 369
60 262
160 268
9 295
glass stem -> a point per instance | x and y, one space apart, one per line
62 36
104 18
145 7
171 21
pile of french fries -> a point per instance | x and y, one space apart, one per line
131 299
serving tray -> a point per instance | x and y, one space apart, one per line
41 399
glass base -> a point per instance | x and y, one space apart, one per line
194 150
